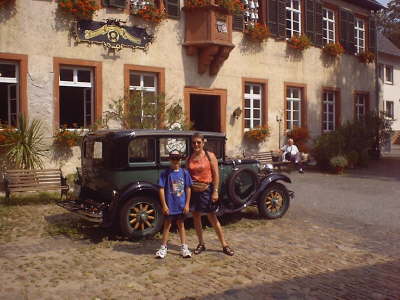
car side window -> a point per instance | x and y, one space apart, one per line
168 145
215 146
141 150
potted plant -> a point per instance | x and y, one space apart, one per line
79 8
300 43
338 163
366 57
333 49
150 13
257 134
257 33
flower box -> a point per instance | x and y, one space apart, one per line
83 9
149 12
366 57
300 43
333 49
258 134
257 33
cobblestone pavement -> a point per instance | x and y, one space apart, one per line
315 252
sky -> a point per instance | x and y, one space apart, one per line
384 2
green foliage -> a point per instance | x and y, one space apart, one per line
389 21
357 136
339 162
352 158
24 147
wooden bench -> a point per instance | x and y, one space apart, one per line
19 181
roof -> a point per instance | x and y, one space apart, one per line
153 132
386 46
369 4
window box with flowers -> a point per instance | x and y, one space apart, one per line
257 33
366 57
229 6
82 9
333 49
299 43
257 134
67 138
148 11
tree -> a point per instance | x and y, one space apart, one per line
389 21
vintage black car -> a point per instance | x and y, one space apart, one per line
117 183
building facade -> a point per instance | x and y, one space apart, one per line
200 58
389 80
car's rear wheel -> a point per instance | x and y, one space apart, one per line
274 201
242 184
141 216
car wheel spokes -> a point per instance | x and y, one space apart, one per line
274 201
142 216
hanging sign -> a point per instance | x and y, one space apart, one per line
112 34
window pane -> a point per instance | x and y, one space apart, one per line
256 89
288 115
256 123
256 103
295 93
149 81
247 113
135 80
256 113
296 115
247 89
296 123
141 150
296 105
83 76
67 75
247 102
7 70
247 123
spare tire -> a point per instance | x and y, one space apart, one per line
241 185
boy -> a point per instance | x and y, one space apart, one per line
175 194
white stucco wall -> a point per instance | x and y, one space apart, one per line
391 92
38 30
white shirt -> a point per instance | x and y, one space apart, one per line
293 150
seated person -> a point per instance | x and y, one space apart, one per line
290 152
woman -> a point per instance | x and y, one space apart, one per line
203 168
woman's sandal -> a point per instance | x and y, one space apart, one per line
228 251
200 248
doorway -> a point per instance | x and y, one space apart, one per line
205 112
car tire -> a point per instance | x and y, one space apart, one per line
141 217
274 201
237 180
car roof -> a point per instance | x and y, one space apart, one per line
152 132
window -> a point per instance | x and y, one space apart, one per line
293 107
328 26
9 96
388 74
76 96
252 105
141 150
146 86
360 106
167 145
389 109
359 35
293 18
328 110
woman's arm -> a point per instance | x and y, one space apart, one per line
215 176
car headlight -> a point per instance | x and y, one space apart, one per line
269 167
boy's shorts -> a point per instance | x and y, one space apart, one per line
173 218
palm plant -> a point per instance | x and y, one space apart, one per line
24 147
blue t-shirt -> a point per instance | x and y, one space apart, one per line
174 183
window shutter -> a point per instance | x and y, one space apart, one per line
117 3
272 20
281 18
318 24
347 31
310 19
372 35
238 22
173 8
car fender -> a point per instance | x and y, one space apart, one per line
266 181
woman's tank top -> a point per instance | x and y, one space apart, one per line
200 170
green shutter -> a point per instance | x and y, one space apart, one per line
372 34
318 24
282 18
272 16
347 31
310 19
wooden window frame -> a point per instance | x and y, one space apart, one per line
303 105
97 90
335 9
391 117
384 74
22 61
338 107
301 19
264 99
222 93
335 21
367 104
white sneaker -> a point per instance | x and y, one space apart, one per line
185 252
162 252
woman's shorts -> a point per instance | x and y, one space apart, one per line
201 201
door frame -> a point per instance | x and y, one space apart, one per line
222 93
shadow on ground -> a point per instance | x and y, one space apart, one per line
355 283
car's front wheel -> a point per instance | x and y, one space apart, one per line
274 201
141 216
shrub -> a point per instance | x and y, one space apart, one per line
352 158
258 134
327 146
333 49
338 163
366 57
257 33
300 43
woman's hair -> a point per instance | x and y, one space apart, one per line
198 135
